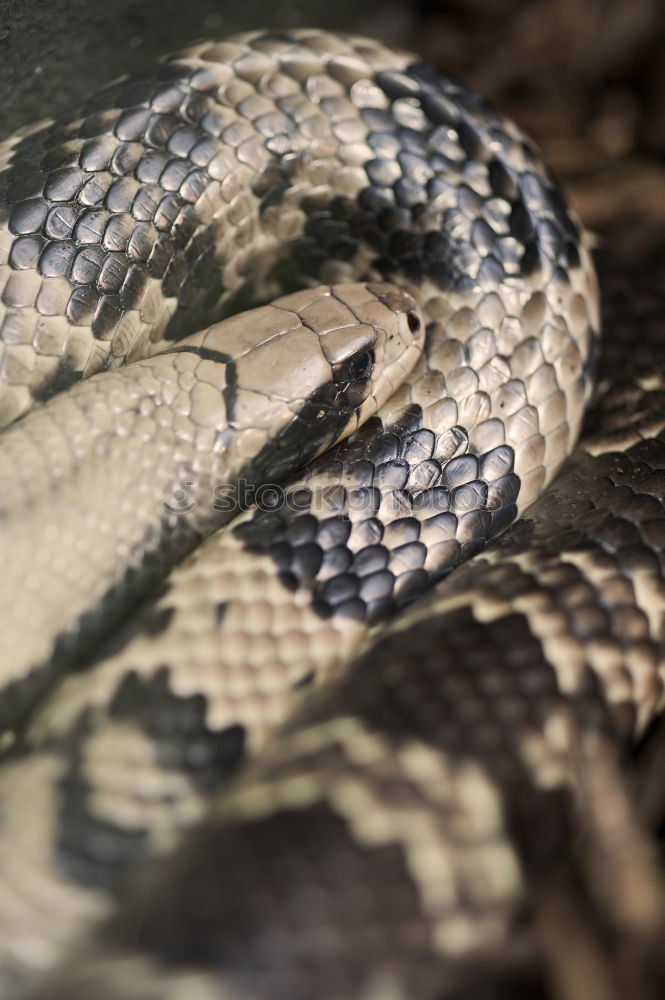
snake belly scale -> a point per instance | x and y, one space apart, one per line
235 171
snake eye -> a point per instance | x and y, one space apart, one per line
356 369
413 321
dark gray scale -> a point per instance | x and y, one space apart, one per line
423 475
340 589
29 216
335 561
82 304
26 251
431 501
57 258
401 532
459 470
307 561
370 560
391 475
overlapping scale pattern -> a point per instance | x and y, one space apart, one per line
236 171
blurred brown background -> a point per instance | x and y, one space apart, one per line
586 79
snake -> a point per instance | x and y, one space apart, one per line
204 411
332 740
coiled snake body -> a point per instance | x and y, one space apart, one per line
386 837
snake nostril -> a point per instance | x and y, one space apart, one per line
413 321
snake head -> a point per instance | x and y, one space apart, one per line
371 336
310 368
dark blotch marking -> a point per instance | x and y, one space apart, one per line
154 622
305 681
177 726
89 849
98 853
265 868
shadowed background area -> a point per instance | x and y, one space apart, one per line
585 78
53 52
